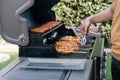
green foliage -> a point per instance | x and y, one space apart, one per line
13 56
73 12
105 30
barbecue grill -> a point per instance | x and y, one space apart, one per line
38 58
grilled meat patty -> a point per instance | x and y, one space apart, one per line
68 44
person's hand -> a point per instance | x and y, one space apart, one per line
85 26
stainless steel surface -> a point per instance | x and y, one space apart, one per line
82 74
53 63
15 72
12 65
0 29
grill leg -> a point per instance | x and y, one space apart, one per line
96 68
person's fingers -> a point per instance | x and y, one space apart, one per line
86 30
85 27
82 28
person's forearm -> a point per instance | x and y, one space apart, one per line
103 16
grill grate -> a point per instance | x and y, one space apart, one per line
43 45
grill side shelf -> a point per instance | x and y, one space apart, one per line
53 63
97 48
96 57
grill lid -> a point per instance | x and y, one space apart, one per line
14 27
18 16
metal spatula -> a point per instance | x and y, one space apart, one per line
83 41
